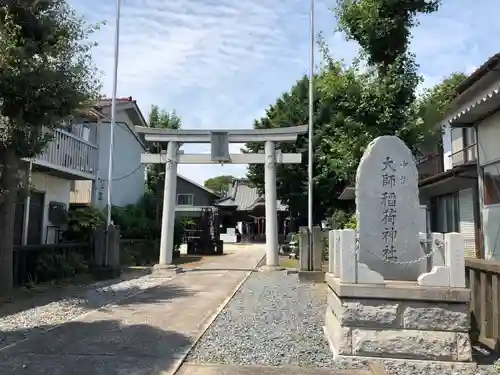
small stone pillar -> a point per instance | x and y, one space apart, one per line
303 249
318 247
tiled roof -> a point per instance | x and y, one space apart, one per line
107 101
244 197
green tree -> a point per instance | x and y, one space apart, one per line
353 105
160 119
388 99
46 78
292 109
219 184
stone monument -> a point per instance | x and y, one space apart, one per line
381 304
388 210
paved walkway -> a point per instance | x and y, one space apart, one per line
147 334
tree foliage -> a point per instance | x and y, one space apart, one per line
219 184
354 104
160 119
46 79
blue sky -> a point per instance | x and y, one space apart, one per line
221 63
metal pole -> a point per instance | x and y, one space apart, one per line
113 110
310 133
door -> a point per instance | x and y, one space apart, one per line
35 224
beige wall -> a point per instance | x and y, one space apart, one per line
81 192
488 139
56 190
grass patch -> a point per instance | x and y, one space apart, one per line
288 263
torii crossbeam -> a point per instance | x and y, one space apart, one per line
219 140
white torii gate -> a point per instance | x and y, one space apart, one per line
219 140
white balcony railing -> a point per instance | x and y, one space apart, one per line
69 154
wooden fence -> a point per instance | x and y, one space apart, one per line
483 279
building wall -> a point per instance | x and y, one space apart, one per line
201 197
81 192
488 135
56 190
128 184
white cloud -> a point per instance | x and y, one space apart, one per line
220 63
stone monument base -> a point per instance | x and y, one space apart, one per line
165 270
398 321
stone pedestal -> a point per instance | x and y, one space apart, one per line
165 270
398 321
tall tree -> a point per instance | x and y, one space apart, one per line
219 184
292 109
354 105
383 30
46 77
160 119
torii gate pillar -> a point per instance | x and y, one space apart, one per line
169 201
219 140
272 248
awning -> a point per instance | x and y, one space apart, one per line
349 194
477 111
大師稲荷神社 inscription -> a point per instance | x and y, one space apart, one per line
388 202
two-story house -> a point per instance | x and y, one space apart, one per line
72 155
74 169
465 193
474 125
128 174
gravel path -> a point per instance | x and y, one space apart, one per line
15 327
273 320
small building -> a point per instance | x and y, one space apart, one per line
245 209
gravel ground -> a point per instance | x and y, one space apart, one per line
273 320
15 327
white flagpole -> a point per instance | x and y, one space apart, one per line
311 115
113 109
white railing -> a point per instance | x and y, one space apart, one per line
69 153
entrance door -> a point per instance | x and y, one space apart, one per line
35 224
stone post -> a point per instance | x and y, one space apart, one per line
317 253
454 246
331 251
272 248
303 249
169 202
348 256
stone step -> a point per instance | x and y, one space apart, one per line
195 369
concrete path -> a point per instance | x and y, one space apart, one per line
147 334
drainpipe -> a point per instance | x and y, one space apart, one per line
27 203
480 188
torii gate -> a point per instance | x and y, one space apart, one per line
219 140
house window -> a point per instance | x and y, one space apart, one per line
185 199
491 183
86 133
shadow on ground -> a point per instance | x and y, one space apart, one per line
105 347
155 295
86 296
